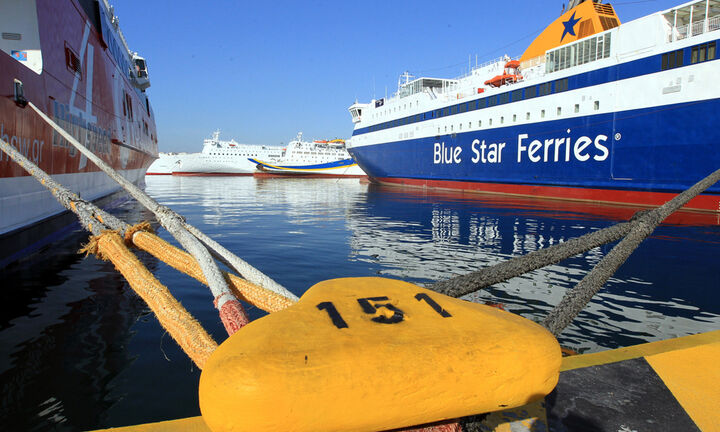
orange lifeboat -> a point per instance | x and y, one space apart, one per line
510 75
503 79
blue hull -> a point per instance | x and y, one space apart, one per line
660 149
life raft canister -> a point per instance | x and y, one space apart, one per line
375 354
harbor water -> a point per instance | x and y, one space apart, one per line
79 350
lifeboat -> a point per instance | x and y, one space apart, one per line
510 75
503 79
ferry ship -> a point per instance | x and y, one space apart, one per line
593 110
70 59
319 158
165 164
224 158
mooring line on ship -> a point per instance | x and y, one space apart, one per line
106 244
176 225
577 298
633 232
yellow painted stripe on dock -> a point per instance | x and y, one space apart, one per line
693 377
642 350
192 424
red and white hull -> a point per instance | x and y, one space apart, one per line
73 64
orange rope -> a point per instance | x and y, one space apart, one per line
182 261
186 331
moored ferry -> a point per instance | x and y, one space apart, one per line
220 157
70 59
319 158
593 110
165 164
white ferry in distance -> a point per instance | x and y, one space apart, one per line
165 163
593 110
312 159
224 158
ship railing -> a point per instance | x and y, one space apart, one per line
536 61
695 29
501 59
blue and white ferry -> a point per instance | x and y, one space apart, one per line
593 110
319 158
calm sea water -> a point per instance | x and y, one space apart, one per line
79 350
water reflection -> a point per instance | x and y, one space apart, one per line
667 288
79 351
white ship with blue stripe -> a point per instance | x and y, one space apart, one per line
312 159
593 110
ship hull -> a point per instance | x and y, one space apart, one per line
339 168
639 157
93 102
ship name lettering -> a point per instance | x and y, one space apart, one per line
29 147
494 152
555 149
446 155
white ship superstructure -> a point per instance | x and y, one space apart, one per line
225 158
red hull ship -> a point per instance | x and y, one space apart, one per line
70 59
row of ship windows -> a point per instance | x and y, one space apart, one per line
699 53
538 90
596 107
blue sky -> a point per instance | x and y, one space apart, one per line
263 71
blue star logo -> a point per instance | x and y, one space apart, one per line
569 26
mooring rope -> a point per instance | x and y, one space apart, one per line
576 299
231 311
106 244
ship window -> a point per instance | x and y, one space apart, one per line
453 109
460 126
517 95
514 117
597 105
471 105
577 107
530 92
544 89
489 122
479 123
527 116
542 114
463 107
502 120
469 125
672 60
504 98
559 111
702 52
561 85
492 101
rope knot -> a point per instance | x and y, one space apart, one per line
142 226
92 246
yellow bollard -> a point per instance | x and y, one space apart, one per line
375 354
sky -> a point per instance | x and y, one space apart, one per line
262 71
